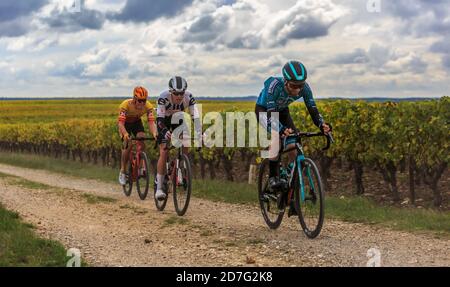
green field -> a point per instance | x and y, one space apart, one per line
36 111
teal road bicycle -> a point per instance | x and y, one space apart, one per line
303 192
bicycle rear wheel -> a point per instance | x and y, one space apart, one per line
310 209
129 183
268 200
143 177
182 185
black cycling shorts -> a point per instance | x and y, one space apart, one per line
284 117
134 128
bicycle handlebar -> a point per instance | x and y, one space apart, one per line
172 147
300 135
142 139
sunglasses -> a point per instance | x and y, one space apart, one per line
296 87
141 101
178 93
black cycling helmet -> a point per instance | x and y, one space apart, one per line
294 71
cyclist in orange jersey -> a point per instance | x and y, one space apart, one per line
129 122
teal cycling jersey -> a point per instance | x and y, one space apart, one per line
275 98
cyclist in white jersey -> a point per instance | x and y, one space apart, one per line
176 99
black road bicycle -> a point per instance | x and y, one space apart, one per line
178 180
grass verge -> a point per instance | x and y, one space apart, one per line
21 247
62 166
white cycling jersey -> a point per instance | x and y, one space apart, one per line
166 107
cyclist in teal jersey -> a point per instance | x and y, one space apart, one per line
278 93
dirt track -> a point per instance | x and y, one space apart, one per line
131 232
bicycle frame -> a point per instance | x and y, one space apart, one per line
175 161
297 166
300 158
136 148
177 179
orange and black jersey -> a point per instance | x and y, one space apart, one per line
128 113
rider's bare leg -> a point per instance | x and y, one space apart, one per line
161 167
125 156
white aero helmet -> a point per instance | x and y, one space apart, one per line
177 84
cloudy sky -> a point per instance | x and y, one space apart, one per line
52 48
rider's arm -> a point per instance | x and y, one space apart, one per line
274 90
311 105
161 115
193 110
151 119
121 121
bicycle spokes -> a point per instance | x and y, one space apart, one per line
142 169
142 176
310 193
182 184
271 202
129 180
311 203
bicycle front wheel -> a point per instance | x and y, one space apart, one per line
143 177
129 183
309 203
271 207
182 185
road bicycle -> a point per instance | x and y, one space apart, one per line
137 170
303 192
178 180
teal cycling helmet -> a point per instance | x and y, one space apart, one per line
295 72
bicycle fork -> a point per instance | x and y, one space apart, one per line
300 166
177 173
299 160
134 164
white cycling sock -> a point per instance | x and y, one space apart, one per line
159 181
